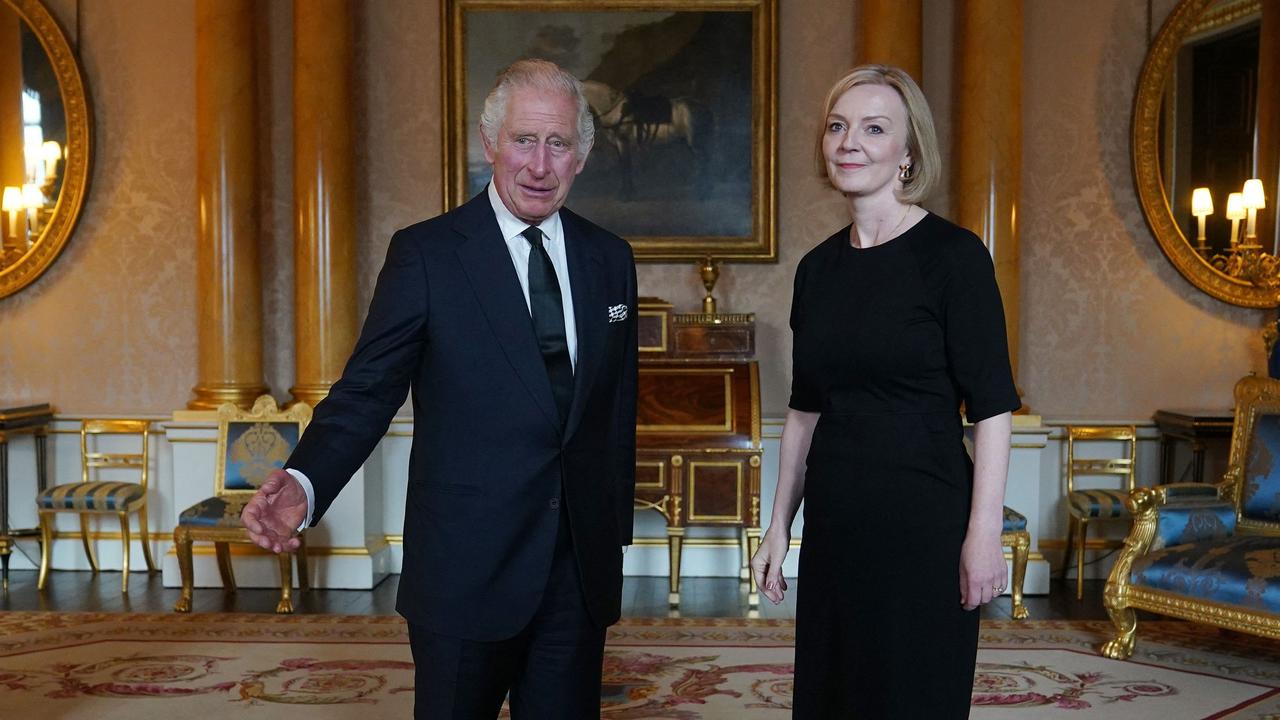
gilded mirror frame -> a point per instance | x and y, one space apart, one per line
75 175
1145 143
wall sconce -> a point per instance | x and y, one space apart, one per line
1201 207
1245 259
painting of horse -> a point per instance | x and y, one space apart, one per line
684 136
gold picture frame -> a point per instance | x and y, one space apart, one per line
685 99
20 269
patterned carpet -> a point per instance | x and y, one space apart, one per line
154 666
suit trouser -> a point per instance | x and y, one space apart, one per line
551 668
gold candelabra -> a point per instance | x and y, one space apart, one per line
1244 258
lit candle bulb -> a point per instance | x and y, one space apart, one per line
11 202
52 152
1201 207
1235 213
33 200
1254 200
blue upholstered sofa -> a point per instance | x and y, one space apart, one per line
1209 553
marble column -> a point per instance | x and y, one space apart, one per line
987 138
889 32
323 196
228 280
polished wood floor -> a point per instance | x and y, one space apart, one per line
70 591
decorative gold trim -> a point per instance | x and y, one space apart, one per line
762 244
1228 12
79 150
1031 556
725 427
727 542
243 549
1147 105
662 474
693 487
753 380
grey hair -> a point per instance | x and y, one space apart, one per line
539 75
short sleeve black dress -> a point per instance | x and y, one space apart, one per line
888 341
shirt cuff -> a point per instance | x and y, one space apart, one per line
305 482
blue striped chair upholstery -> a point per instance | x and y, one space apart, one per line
92 496
1096 504
251 444
1014 536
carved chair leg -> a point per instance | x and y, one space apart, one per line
675 541
125 542
1081 537
1126 621
286 583
88 544
46 548
1066 550
1021 548
228 573
303 573
144 531
182 548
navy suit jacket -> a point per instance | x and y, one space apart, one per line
490 463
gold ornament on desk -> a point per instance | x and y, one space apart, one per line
1245 259
709 271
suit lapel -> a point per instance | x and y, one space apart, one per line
586 271
487 263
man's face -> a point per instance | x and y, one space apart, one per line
536 154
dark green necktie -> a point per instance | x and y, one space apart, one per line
547 308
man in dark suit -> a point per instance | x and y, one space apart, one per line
513 322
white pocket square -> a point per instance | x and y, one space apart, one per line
617 313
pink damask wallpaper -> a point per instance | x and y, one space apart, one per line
1109 328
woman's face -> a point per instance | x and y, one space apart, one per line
865 140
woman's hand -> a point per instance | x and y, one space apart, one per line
766 565
982 569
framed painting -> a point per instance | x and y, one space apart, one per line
683 95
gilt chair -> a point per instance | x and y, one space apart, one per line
1085 505
1014 535
95 496
1209 553
250 445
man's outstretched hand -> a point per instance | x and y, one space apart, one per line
274 513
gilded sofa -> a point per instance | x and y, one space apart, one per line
1209 553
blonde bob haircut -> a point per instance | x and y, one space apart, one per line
922 138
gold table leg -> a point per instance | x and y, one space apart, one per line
675 542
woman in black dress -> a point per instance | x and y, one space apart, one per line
897 320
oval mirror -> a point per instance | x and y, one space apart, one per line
44 142
1196 128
